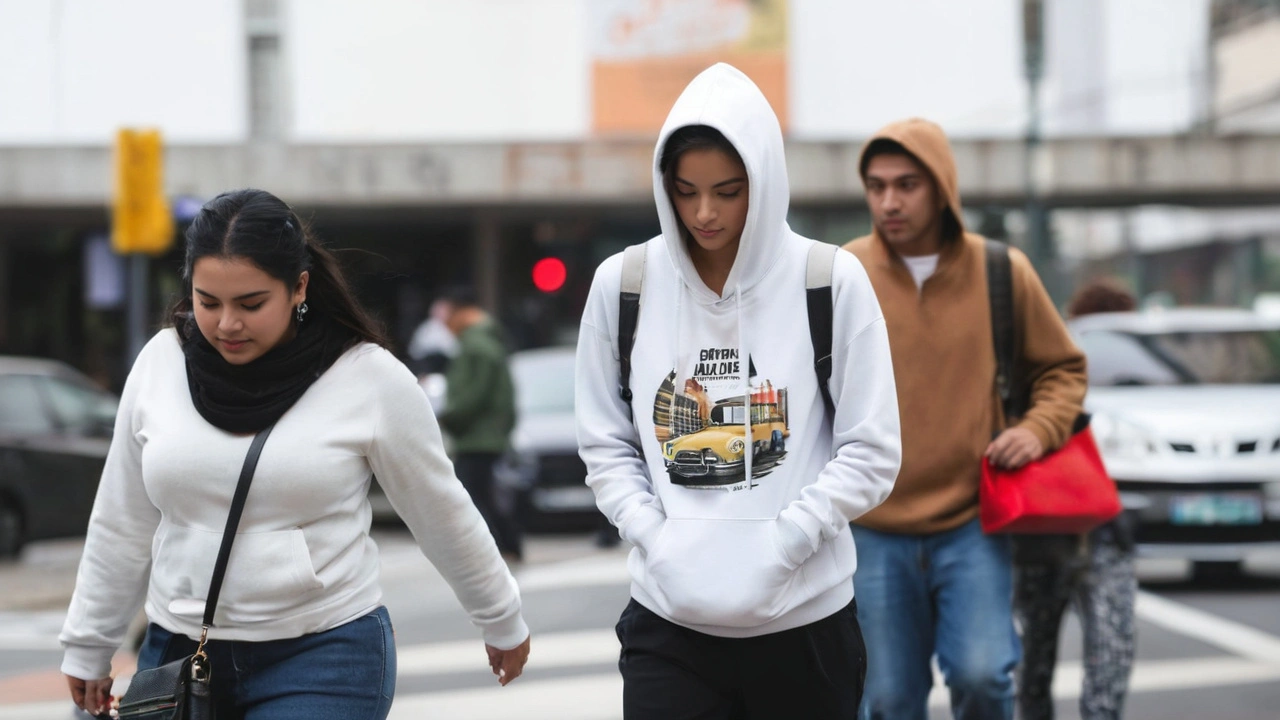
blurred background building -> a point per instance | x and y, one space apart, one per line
441 142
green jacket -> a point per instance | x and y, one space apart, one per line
480 410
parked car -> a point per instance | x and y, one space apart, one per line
1186 412
543 470
542 475
55 428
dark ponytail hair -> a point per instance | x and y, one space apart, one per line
257 226
689 137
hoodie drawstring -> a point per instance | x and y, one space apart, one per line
744 366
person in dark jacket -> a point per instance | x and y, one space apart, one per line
480 412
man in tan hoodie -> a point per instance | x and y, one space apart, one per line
929 581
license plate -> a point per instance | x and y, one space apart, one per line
565 498
1215 510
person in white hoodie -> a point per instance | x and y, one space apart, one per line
268 336
742 604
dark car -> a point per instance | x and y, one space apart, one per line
543 466
55 428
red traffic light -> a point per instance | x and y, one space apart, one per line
549 274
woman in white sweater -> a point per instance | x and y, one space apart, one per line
270 333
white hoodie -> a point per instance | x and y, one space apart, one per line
728 542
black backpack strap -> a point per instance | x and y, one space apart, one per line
233 522
629 314
817 291
1000 293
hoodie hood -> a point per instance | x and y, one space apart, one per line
724 98
928 143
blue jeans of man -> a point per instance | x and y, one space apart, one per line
346 673
949 594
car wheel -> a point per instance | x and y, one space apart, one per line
1217 572
10 529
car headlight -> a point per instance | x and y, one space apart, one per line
735 446
1120 439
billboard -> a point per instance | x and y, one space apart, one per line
644 52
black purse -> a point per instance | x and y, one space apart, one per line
180 690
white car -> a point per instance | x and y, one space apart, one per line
1186 413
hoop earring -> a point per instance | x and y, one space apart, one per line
302 311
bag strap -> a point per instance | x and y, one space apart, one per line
629 314
1000 292
817 291
233 521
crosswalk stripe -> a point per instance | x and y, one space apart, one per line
550 650
1234 637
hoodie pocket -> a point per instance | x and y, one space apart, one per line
730 573
268 572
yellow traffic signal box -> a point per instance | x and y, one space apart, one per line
141 221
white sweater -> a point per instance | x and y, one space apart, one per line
732 542
303 561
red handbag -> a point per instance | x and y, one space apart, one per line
1066 491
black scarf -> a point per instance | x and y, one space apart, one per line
247 398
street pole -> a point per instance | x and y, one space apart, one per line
1040 245
136 321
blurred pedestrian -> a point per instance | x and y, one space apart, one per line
741 601
480 413
929 581
269 336
1094 572
433 345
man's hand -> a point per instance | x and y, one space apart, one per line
92 696
1014 448
508 664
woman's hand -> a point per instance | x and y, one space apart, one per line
508 664
94 696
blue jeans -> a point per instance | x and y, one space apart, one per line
949 593
348 672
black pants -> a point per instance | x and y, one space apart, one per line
670 672
475 470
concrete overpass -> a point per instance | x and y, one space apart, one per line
1083 172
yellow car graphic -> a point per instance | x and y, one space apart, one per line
716 454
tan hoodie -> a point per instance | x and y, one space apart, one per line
944 364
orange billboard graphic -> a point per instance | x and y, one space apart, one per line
644 52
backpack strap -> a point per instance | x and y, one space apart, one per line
1000 292
818 273
817 291
629 314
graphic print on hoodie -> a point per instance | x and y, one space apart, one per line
738 528
704 440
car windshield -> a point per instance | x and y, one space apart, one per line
544 382
1249 357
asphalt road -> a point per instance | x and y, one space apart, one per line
1203 651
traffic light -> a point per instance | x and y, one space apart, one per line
549 274
140 218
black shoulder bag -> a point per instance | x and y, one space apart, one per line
180 690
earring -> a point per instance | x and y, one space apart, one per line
302 311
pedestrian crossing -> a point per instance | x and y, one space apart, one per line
572 674
595 691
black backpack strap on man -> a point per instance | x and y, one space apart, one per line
1000 292
818 297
